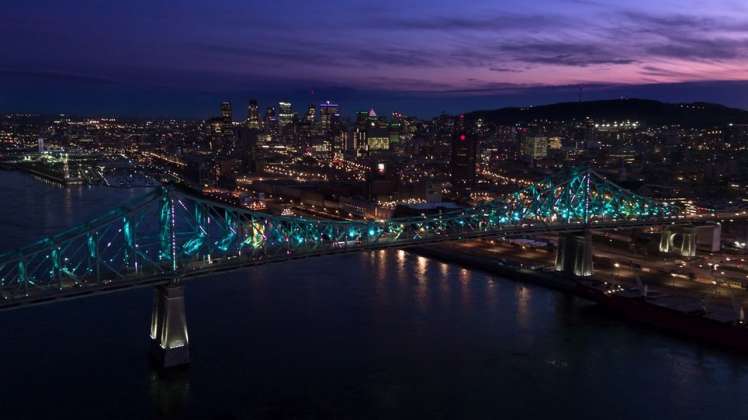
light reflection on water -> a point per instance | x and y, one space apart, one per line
384 334
523 295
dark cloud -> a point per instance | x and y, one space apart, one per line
485 54
284 55
408 84
701 49
61 77
562 53
393 57
685 36
660 72
504 70
628 38
342 55
495 23
677 25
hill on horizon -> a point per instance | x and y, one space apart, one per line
647 112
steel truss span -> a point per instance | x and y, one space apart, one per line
170 234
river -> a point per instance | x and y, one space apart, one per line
383 334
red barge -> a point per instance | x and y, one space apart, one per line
684 316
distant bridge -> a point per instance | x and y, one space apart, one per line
170 235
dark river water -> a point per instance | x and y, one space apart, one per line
375 335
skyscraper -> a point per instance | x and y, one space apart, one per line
358 135
362 119
226 115
311 114
253 115
246 148
271 121
328 114
462 165
285 113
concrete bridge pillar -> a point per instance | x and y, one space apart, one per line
574 254
665 241
683 240
169 339
715 237
688 245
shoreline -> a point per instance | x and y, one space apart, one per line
655 311
525 275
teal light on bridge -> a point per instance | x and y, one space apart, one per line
193 246
91 244
225 244
22 279
127 231
165 223
162 234
55 254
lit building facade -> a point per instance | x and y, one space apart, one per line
311 114
377 139
535 148
226 116
285 114
253 115
329 113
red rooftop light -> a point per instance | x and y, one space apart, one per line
462 137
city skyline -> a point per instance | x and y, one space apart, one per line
421 58
362 210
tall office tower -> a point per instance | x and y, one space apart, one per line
359 132
226 116
372 115
589 134
362 119
253 115
271 121
285 114
311 114
329 113
396 128
462 165
246 146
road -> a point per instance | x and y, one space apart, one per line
694 277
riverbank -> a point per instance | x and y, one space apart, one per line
41 172
664 308
489 265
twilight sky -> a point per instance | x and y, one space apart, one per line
158 57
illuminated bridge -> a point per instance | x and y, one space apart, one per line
170 235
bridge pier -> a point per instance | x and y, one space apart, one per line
169 338
714 237
687 245
574 254
689 238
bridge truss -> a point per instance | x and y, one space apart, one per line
171 234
